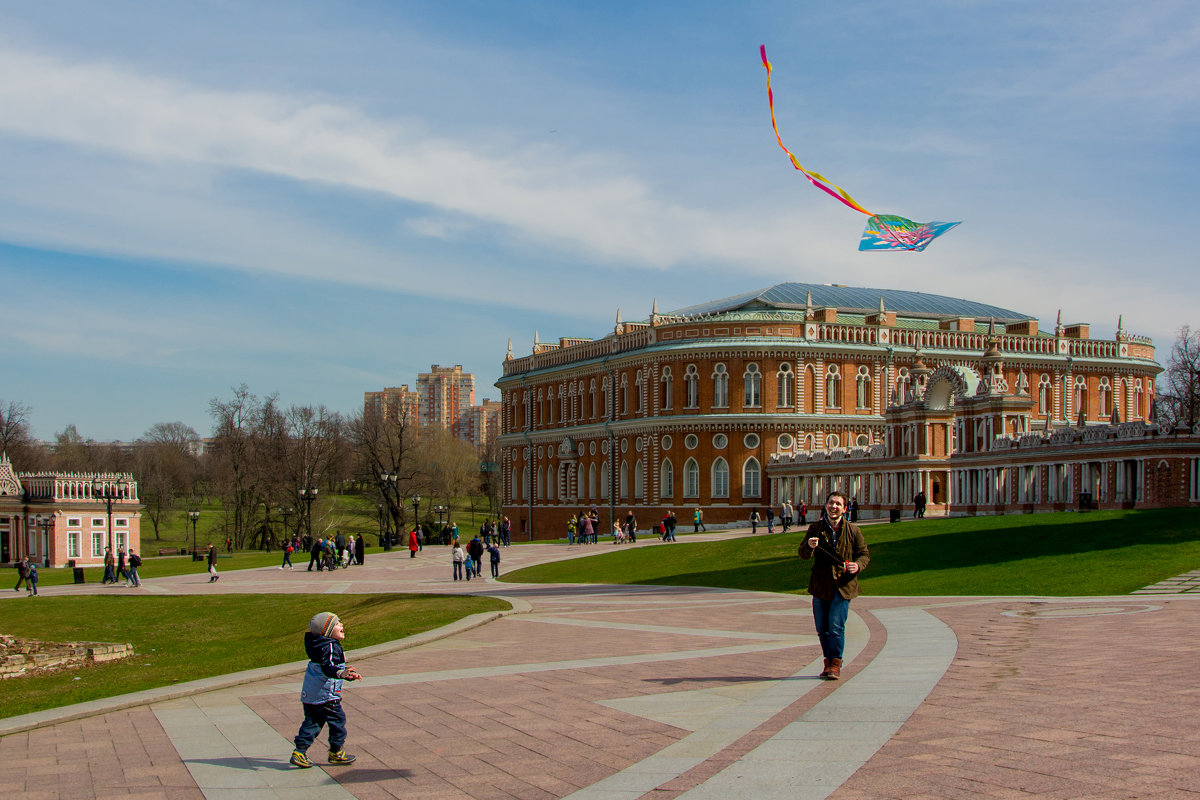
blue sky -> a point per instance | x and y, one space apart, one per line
319 199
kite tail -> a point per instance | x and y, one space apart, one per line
815 178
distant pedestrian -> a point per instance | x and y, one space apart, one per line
135 561
287 556
321 693
413 543
672 522
494 556
770 520
754 520
919 503
475 551
698 520
121 573
212 564
469 564
316 554
32 578
459 557
631 526
22 566
110 566
506 531
360 550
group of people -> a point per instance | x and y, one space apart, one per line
469 560
331 552
584 527
121 568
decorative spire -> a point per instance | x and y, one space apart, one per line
618 315
654 308
509 357
881 309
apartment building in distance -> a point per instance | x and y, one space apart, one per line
446 395
393 402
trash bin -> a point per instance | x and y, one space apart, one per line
1085 501
78 574
894 515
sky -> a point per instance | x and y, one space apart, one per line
317 199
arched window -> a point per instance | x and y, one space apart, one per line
1138 407
751 478
540 486
833 387
623 482
562 404
752 383
720 478
720 379
639 397
862 388
783 386
1045 395
1104 394
666 479
691 478
832 441
1081 396
580 483
639 488
604 480
591 492
668 389
592 400
691 383
623 405
810 443
810 389
902 382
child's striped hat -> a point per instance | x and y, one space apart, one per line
322 624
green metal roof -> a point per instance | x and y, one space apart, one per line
855 299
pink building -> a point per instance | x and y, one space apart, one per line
63 519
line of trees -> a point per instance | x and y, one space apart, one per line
261 455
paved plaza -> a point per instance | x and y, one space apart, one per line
594 692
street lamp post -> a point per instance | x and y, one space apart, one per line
307 495
387 485
379 507
285 513
441 512
108 491
45 524
194 516
416 501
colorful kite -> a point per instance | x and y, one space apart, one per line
884 231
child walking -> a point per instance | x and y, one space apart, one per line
321 694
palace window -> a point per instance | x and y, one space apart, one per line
668 389
752 382
783 385
666 479
862 389
720 478
833 387
1105 395
720 379
691 478
691 385
73 545
751 478
1081 396
1045 402
638 481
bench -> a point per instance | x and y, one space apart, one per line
169 551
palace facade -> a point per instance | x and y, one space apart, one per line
61 519
705 406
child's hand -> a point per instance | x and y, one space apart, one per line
351 675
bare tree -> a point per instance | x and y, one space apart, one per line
1179 390
309 443
165 468
72 453
386 444
452 465
15 438
242 464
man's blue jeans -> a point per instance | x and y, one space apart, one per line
830 616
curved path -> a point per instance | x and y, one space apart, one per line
664 692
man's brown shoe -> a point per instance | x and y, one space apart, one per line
835 669
825 672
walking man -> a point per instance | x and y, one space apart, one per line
839 553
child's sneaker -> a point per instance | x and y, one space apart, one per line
340 757
300 759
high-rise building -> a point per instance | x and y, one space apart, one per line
394 402
446 396
483 422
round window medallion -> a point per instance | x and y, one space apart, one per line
691 441
667 442
720 440
624 445
785 441
751 440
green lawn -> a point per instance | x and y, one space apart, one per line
180 639
1109 552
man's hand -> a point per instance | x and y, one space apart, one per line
813 542
852 567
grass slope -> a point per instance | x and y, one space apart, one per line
179 638
1110 552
